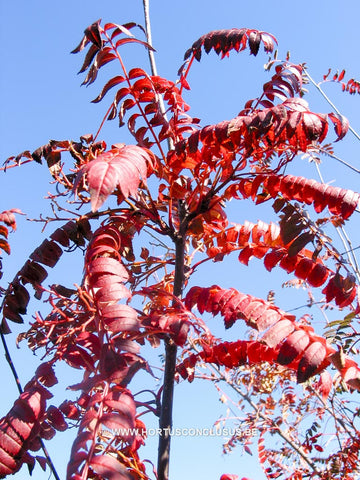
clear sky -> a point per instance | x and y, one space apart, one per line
41 99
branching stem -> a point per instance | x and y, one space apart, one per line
153 62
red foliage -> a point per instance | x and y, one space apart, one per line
289 126
94 328
283 246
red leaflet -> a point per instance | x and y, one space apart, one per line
20 427
114 421
8 217
122 401
341 124
293 346
110 84
342 290
324 385
108 265
278 332
48 253
109 468
46 375
56 418
285 339
120 318
123 168
93 34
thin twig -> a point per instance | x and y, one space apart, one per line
338 159
344 239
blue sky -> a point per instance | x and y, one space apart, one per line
41 99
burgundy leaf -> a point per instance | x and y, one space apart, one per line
121 167
312 359
46 375
56 418
299 243
89 57
48 253
93 34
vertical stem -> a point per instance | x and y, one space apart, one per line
165 422
153 62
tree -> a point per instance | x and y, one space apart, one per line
175 185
